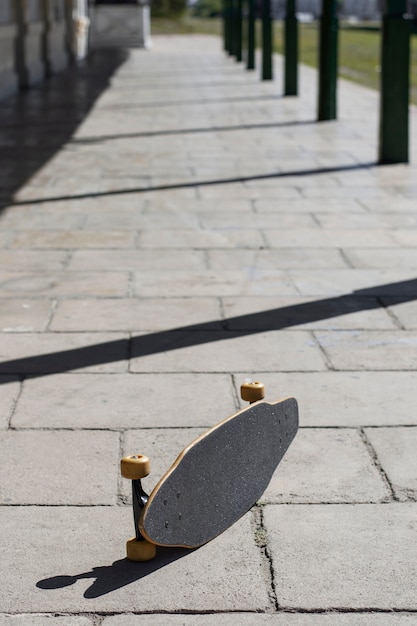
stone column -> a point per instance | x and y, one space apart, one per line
54 37
8 30
29 53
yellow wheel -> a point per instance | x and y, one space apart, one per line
135 467
251 392
140 550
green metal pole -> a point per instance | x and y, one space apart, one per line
395 84
328 61
267 71
239 30
250 61
225 27
232 27
290 50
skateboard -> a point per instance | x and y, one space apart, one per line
215 480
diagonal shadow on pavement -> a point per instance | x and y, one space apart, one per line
207 332
199 183
188 131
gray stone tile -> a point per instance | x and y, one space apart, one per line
359 192
404 312
75 468
245 282
329 466
92 575
337 556
120 401
200 351
383 205
308 313
21 260
82 283
73 239
46 216
230 219
272 259
277 619
116 217
30 353
135 314
395 449
370 350
315 238
222 192
10 389
341 206
375 282
30 619
25 315
356 220
347 398
164 204
131 260
199 238
382 258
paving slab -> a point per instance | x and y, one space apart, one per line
382 282
45 260
404 312
92 574
338 556
313 238
327 465
223 351
281 258
131 260
10 390
135 314
243 282
118 401
45 216
36 353
381 257
78 468
395 449
339 206
345 313
370 350
226 219
390 220
25 315
200 238
52 284
68 239
348 399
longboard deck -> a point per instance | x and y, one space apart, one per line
219 476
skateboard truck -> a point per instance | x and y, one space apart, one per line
136 467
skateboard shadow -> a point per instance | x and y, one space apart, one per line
109 578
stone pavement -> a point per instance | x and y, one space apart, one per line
170 227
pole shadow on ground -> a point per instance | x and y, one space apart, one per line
211 331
